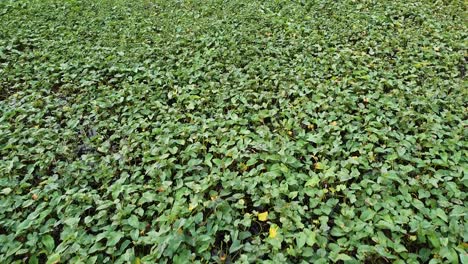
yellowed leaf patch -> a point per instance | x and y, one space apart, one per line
273 231
263 216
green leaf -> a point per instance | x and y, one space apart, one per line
343 257
434 239
33 260
450 254
464 258
48 242
53 259
113 238
311 238
314 181
6 191
133 221
236 245
301 239
367 215
441 214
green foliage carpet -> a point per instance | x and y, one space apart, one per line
240 131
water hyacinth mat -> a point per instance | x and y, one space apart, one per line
273 131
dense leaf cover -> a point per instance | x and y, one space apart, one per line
233 131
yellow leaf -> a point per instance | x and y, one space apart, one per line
192 206
263 216
273 231
318 166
